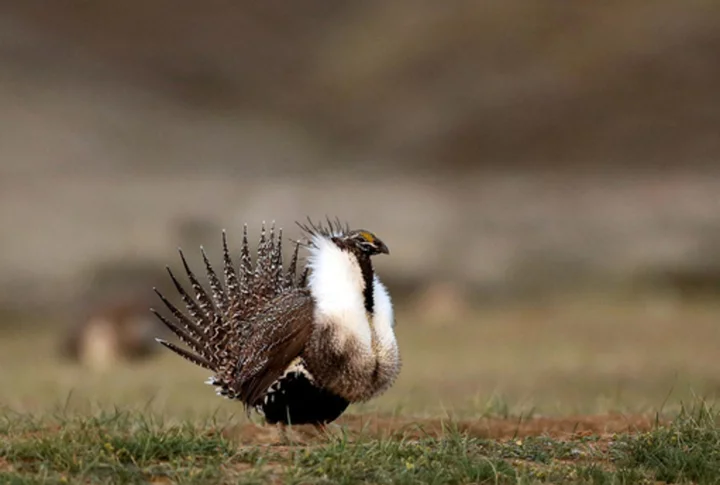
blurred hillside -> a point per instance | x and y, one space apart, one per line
503 145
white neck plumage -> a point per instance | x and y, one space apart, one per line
337 285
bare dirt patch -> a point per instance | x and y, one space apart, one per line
5 465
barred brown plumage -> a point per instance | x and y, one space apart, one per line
294 348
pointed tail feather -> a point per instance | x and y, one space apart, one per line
268 268
182 334
246 269
262 265
190 304
205 303
304 277
218 292
232 284
197 333
195 359
276 261
291 273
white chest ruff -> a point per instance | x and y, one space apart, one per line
383 318
337 285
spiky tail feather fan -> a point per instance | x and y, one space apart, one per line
218 324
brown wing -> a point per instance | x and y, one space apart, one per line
281 329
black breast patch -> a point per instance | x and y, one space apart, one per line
294 399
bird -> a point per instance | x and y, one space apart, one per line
297 345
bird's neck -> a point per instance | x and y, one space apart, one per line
368 275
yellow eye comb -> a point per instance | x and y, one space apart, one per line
367 236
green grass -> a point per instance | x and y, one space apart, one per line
687 451
129 447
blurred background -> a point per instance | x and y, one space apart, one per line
547 176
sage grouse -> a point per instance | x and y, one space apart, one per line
298 348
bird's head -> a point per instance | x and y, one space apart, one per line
362 242
358 241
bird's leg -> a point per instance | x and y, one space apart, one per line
321 428
284 438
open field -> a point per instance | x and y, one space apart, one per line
577 390
130 448
504 150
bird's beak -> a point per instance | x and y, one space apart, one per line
381 247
